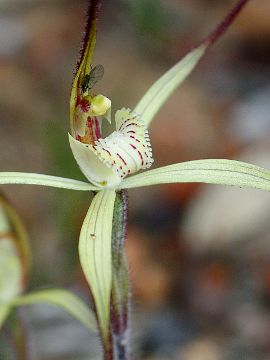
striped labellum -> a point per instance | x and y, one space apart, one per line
127 150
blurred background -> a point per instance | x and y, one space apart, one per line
199 255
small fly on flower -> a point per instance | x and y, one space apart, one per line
89 80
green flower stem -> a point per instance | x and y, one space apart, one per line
120 282
16 336
20 338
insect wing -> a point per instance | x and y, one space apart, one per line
96 75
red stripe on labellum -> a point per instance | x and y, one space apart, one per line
133 137
131 124
108 152
90 122
140 154
120 157
94 127
97 129
83 104
123 125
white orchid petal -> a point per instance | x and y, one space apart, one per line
96 253
212 171
95 169
159 92
44 180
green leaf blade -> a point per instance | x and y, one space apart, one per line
63 299
96 254
160 91
44 180
12 225
11 270
4 312
212 171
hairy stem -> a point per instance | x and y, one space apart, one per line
119 349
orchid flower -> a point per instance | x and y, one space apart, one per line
110 163
14 273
